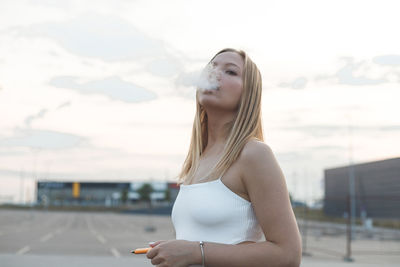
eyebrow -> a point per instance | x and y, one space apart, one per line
229 63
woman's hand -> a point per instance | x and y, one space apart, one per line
174 253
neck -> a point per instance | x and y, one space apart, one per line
217 134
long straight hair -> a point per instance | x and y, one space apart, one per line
246 125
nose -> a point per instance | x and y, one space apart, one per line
219 74
216 73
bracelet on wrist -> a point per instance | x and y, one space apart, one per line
202 253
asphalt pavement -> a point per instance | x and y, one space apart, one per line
39 238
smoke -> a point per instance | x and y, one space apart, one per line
208 79
203 80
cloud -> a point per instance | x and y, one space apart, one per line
42 139
355 73
164 67
107 37
364 73
319 148
346 74
40 114
330 130
390 128
298 83
316 130
63 105
390 60
113 87
11 151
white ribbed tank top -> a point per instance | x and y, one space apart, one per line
211 212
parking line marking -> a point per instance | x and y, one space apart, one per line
23 250
115 252
46 237
101 239
89 225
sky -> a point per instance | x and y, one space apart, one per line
103 90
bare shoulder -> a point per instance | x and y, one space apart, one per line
266 188
253 149
258 163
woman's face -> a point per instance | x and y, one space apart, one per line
229 68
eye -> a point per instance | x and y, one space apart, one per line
231 72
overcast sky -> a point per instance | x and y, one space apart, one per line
102 90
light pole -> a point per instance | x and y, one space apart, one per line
351 201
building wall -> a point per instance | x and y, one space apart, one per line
96 193
377 189
91 193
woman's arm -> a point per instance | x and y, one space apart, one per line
177 253
265 254
268 193
267 190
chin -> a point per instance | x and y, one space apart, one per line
209 103
207 98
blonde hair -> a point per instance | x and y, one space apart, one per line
246 125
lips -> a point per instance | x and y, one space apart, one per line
210 90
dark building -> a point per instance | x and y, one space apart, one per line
100 193
377 189
82 193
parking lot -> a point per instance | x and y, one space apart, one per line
85 237
39 238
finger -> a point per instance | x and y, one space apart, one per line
156 261
153 244
151 253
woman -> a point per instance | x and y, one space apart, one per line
232 189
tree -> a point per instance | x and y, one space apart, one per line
145 191
168 195
124 196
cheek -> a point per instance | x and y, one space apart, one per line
236 89
234 85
